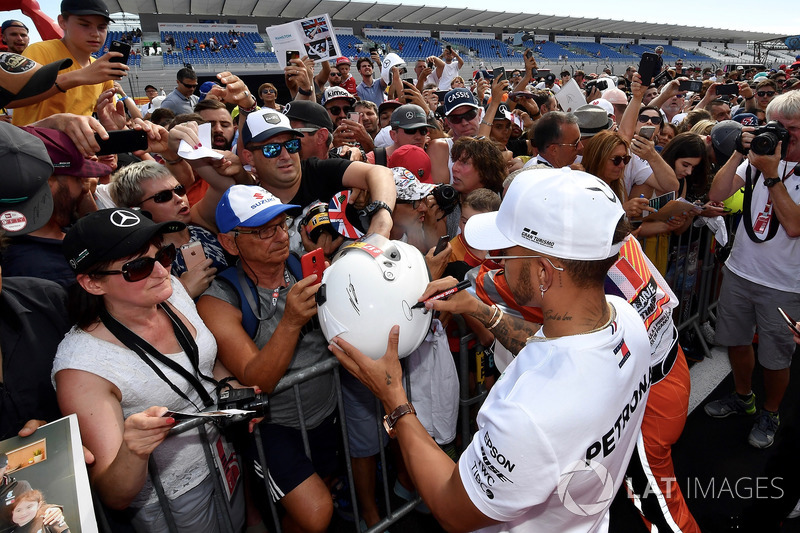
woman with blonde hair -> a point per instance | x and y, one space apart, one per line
605 156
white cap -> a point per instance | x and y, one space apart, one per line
564 213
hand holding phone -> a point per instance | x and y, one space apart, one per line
441 244
193 254
122 141
790 322
647 132
649 65
122 48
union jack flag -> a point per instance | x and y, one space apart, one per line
337 208
314 26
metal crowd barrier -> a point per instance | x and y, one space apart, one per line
693 272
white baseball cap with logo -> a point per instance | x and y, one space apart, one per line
248 206
266 123
563 213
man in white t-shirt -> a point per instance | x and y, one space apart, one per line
761 273
559 427
447 67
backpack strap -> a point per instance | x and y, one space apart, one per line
380 156
249 320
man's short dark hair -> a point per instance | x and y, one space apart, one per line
548 128
362 60
541 97
186 74
579 74
209 103
588 274
565 73
149 87
162 116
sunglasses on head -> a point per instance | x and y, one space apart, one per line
458 119
272 150
616 160
653 120
165 195
338 110
141 268
413 131
762 94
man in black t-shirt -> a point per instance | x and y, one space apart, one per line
272 147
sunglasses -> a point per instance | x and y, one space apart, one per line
338 110
680 95
616 160
189 85
165 195
413 131
762 94
266 232
273 150
413 203
653 120
268 91
141 268
334 74
458 119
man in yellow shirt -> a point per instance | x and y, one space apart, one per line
76 90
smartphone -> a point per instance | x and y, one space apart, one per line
193 254
649 65
691 85
408 80
313 263
647 132
790 322
355 116
291 54
728 88
499 73
430 64
534 74
441 244
371 50
662 79
122 141
529 53
660 201
449 47
122 48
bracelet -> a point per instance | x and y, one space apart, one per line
746 98
304 92
495 309
249 109
486 123
59 87
123 98
496 322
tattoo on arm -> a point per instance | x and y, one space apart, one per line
512 332
388 378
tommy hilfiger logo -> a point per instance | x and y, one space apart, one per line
530 235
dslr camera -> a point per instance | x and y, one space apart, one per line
446 198
245 399
601 85
766 139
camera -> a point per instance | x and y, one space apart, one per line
601 85
245 399
446 198
766 139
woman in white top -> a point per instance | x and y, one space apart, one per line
139 350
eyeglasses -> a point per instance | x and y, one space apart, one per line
573 145
505 257
338 110
458 119
266 232
680 95
616 160
423 130
655 121
413 203
273 150
165 195
762 94
188 85
269 91
141 268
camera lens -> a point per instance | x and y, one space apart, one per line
764 144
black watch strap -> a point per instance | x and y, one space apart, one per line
771 182
373 207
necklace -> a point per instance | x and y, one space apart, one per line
611 318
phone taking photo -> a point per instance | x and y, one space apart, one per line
441 244
647 132
122 48
122 141
649 65
789 322
313 263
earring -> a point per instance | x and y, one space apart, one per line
541 288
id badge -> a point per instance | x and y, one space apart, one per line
228 463
762 222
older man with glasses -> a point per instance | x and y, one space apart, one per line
182 100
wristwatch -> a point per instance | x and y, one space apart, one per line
368 212
391 419
771 182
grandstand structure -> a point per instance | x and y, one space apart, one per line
484 39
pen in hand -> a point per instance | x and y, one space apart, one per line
444 294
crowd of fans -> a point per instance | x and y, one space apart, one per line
150 258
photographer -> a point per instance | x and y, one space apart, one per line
761 272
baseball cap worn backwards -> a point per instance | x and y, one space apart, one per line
563 213
248 206
110 234
26 202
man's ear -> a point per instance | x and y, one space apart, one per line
393 135
247 157
228 242
90 284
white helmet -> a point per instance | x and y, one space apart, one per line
371 286
390 60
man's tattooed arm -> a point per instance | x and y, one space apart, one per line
512 332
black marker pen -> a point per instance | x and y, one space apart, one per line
444 294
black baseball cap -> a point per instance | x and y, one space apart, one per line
110 234
408 116
85 7
310 112
13 24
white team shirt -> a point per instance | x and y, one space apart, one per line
560 402
773 263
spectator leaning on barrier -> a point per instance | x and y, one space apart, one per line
761 271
